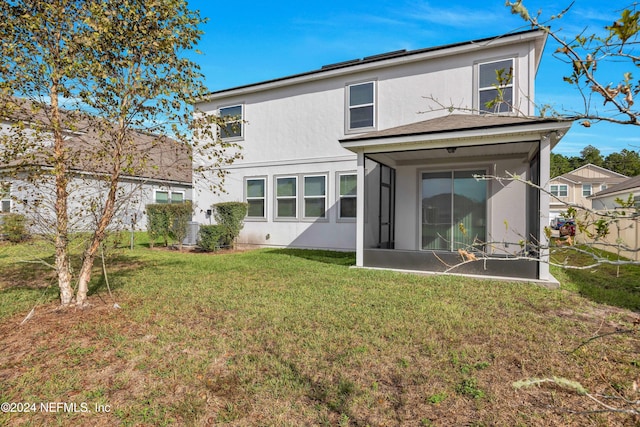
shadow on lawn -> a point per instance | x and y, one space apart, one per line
37 275
323 256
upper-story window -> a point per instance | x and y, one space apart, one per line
233 122
495 86
560 190
362 110
586 190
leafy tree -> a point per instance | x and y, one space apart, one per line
627 162
591 154
559 165
607 95
109 67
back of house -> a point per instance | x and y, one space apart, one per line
366 154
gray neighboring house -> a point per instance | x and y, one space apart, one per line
606 199
162 175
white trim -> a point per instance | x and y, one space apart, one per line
467 137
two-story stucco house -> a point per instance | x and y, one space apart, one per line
575 188
362 155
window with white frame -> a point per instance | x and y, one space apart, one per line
586 190
495 86
347 189
5 198
315 196
361 106
255 190
287 197
603 187
560 190
166 196
233 122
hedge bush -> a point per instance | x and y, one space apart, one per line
168 221
210 237
13 227
230 215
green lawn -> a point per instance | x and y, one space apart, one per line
293 337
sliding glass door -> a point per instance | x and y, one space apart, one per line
454 209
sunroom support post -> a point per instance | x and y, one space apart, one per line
360 204
545 174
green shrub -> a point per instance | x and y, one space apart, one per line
168 221
14 227
230 216
210 237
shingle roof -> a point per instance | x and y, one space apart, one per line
629 184
149 156
452 122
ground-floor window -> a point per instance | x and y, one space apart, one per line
286 197
166 196
454 209
347 188
5 199
255 190
315 196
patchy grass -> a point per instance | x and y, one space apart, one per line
294 337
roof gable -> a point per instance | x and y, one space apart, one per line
593 171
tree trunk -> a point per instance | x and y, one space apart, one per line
63 268
99 235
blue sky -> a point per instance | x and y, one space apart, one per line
251 41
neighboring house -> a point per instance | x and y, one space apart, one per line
341 158
577 187
606 199
624 232
162 175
